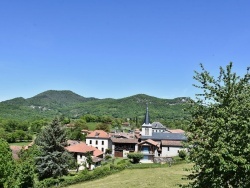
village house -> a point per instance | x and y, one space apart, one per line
80 151
99 139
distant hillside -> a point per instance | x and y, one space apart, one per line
57 99
54 103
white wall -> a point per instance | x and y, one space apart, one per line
143 130
171 152
81 160
99 144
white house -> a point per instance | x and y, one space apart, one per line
80 151
99 139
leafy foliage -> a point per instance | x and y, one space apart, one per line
182 154
136 157
219 131
53 158
6 162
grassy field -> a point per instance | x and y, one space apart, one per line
168 177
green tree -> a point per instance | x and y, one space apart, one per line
6 162
89 160
219 131
22 177
103 126
53 158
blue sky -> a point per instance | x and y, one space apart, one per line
115 48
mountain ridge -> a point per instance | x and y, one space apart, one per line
52 103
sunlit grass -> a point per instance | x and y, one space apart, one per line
168 177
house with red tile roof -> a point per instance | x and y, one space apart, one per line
81 150
99 139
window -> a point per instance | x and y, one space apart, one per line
102 142
102 149
90 142
168 148
96 142
80 156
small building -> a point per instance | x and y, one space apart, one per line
171 148
149 148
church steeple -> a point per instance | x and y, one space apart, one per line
147 119
146 127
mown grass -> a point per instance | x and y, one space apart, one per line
168 177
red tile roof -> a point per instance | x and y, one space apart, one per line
150 142
98 134
96 152
171 143
79 148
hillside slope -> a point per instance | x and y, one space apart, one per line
54 103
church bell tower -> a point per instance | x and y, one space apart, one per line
146 127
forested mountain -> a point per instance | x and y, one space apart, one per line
55 103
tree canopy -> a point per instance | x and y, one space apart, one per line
53 158
6 162
219 134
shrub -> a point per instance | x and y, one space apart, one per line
49 182
136 157
182 154
107 157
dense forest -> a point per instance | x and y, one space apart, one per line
57 103
21 119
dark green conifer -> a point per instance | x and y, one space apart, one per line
53 159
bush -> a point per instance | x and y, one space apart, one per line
123 161
182 154
136 157
49 182
107 157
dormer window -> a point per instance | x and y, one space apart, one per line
97 134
